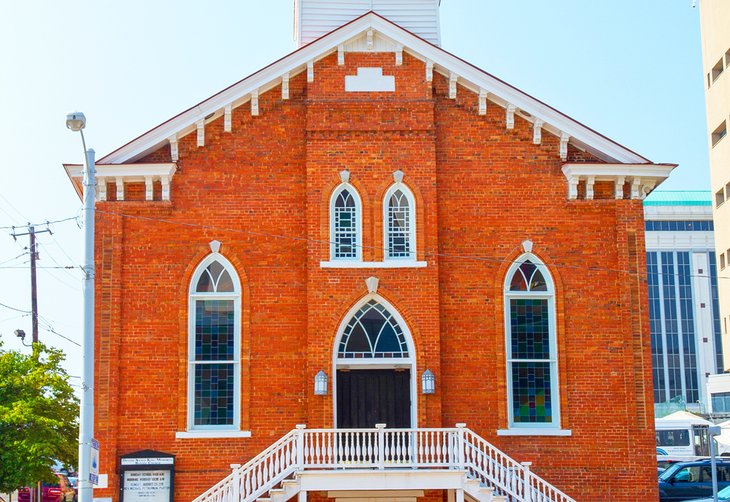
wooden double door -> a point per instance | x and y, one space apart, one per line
369 397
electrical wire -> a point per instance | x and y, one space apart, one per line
362 246
40 224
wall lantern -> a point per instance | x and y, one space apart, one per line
428 382
320 383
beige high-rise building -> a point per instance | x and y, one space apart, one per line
715 27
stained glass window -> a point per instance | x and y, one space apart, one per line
399 231
213 349
373 333
531 345
345 225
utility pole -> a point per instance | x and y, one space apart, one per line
33 288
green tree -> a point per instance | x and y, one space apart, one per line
38 417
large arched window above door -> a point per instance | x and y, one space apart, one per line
345 224
532 365
399 223
373 333
214 346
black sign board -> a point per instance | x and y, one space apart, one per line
146 476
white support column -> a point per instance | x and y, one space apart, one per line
482 102
302 496
300 445
398 55
573 187
255 103
120 188
310 71
174 154
527 486
510 116
148 188
537 132
590 181
228 118
459 495
619 187
285 86
341 54
429 70
453 77
236 492
381 445
200 124
165 181
100 188
369 43
564 138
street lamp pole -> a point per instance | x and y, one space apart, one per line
77 122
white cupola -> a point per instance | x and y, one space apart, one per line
314 18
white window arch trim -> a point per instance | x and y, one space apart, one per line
358 223
411 222
235 296
538 428
375 363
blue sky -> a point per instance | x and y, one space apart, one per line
629 69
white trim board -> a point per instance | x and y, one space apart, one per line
469 76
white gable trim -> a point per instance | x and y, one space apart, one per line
443 62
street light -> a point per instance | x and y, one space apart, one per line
76 122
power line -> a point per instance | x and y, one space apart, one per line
39 224
16 310
67 267
362 246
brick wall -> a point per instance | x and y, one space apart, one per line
481 190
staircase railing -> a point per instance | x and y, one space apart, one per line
380 448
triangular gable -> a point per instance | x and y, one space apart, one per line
484 85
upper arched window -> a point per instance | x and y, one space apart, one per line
345 224
399 223
214 346
532 365
373 333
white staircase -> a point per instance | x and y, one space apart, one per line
453 459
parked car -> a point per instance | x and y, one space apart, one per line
61 491
722 496
691 480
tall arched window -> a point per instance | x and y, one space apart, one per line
214 346
532 365
399 223
345 224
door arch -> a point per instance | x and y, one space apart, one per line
374 364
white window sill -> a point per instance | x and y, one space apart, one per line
212 434
537 431
373 264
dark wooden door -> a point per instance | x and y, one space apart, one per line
369 397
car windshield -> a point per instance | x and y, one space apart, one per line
670 471
724 494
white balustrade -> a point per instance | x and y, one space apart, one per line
379 448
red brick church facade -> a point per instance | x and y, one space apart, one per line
487 185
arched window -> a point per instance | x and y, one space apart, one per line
532 366
214 346
345 224
399 223
373 333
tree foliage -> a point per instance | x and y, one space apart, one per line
38 417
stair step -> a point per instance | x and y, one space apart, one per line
264 499
499 498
